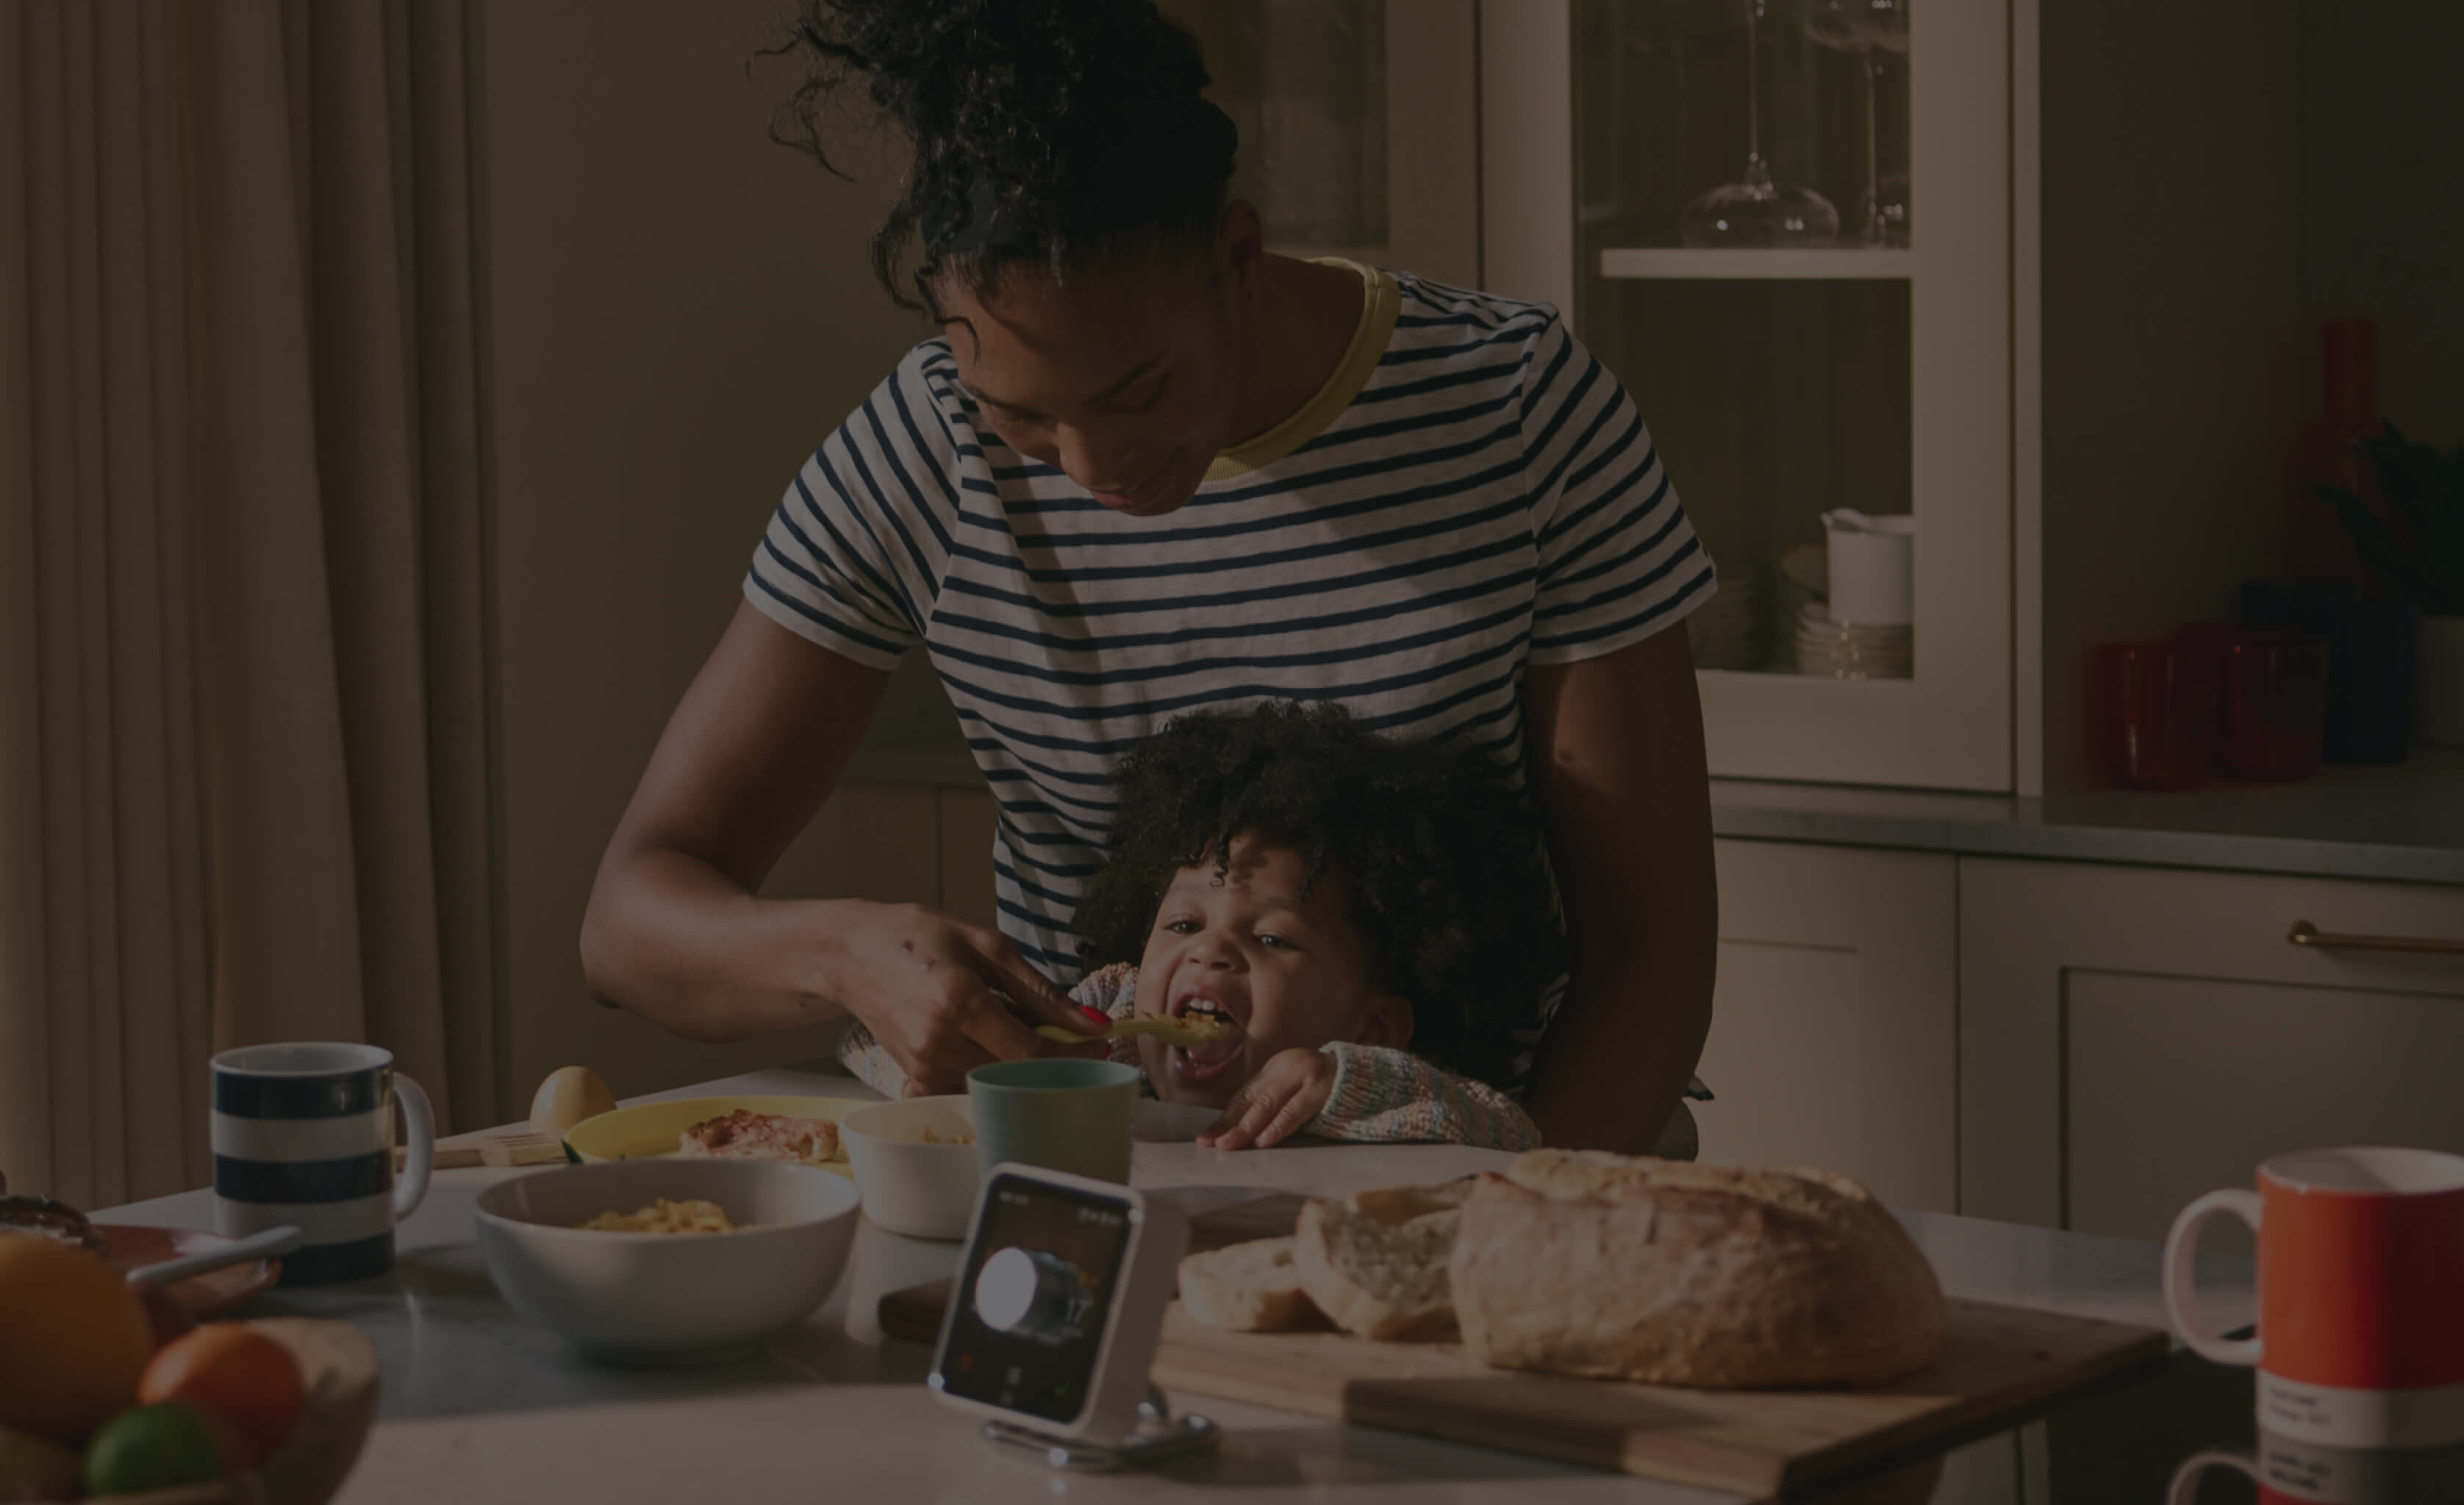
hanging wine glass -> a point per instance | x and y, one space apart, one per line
1757 211
1870 31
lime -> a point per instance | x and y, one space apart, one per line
152 1447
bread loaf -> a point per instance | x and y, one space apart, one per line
1583 1263
1248 1288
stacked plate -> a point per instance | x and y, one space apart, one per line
1852 649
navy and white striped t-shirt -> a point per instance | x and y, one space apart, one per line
1488 500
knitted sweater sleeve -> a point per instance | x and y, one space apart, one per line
1385 1096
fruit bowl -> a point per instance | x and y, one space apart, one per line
338 1367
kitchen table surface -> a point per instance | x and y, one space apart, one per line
478 1405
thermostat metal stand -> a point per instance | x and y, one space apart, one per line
1161 1436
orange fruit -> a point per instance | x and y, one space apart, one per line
75 1336
232 1371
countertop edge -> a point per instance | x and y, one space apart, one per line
1924 820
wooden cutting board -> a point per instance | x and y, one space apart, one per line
1999 1365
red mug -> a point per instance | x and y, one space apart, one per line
2275 705
2361 1295
2291 1473
2156 713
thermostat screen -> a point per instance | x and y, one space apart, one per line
1030 1303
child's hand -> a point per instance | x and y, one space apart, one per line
1272 1105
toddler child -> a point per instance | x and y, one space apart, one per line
1367 920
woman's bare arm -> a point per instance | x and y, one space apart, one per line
1615 753
676 932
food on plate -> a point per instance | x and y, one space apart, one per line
75 1339
1248 1288
157 1447
1585 1263
747 1135
1373 1277
569 1095
34 1467
693 1216
231 1371
961 1137
46 1219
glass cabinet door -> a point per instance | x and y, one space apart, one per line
1358 134
1784 224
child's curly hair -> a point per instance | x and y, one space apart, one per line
1447 873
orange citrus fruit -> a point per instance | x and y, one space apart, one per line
75 1335
234 1372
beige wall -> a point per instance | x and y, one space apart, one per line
679 311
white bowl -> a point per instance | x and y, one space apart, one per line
910 1186
668 1298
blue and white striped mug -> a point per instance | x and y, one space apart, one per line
303 1134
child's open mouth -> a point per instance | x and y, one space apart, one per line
1197 1063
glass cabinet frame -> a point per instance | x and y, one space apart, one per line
1951 725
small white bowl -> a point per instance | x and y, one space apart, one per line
668 1298
910 1186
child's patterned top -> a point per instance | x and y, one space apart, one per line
1379 1095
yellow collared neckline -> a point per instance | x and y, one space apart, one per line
1381 301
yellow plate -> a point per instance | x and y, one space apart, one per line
650 1131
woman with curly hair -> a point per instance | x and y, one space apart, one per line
1360 918
1146 466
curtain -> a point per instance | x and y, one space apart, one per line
244 712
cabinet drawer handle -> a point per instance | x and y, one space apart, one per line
2304 933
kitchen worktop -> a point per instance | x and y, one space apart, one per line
2404 824
477 1405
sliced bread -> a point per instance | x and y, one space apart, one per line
1395 1205
1251 1288
1375 1278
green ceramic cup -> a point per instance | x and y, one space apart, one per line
1057 1113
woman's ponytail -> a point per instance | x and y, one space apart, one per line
1054 134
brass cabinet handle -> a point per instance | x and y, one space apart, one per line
2304 933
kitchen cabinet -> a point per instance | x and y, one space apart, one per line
1356 138
2008 321
1834 1026
2129 1038
897 843
966 817
875 841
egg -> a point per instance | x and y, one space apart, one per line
569 1095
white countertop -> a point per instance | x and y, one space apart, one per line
480 1406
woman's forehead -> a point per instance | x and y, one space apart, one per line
1034 341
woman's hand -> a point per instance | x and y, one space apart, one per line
1272 1105
943 996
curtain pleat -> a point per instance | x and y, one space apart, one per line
243 717
444 256
26 1134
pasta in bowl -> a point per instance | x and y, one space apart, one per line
667 1287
